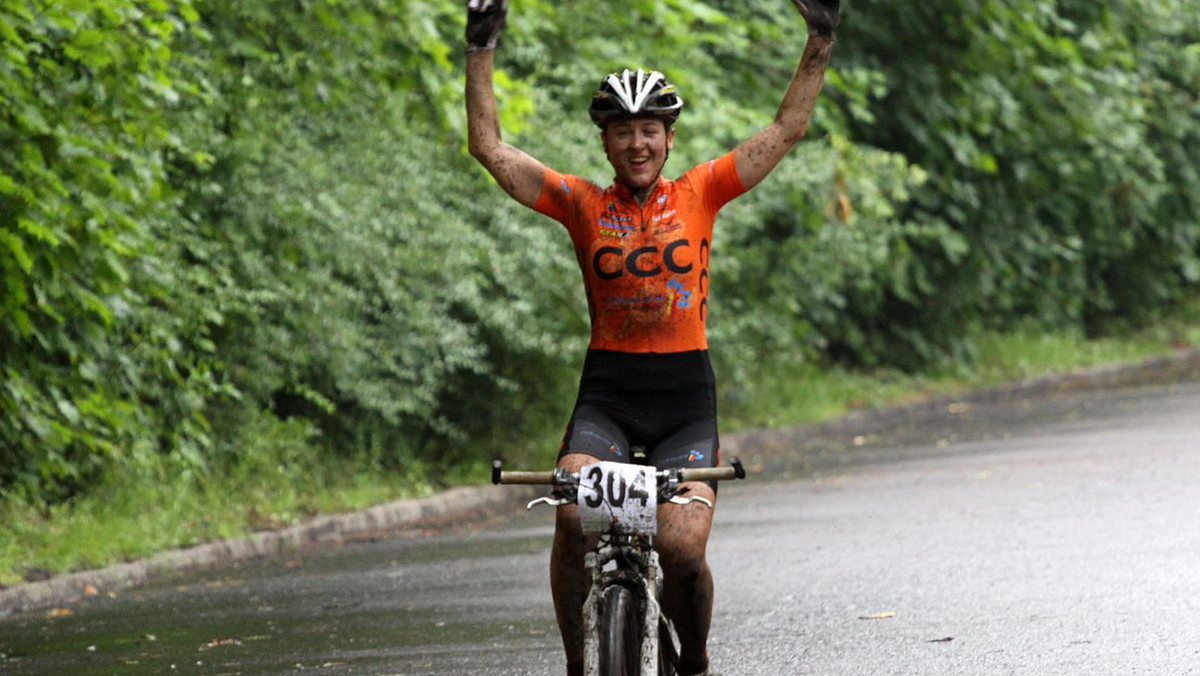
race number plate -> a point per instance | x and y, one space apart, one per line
618 498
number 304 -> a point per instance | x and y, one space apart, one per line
614 489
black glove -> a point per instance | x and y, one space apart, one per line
822 16
485 20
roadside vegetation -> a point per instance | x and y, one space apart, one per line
112 524
248 273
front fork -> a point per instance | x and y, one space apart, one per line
644 583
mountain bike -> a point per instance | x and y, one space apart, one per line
625 631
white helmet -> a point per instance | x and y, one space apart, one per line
635 94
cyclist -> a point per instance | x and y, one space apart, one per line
643 246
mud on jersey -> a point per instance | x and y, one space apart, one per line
645 268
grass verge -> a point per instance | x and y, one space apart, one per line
1001 358
134 517
138 517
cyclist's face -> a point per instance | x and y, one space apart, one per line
637 150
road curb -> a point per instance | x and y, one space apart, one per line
459 504
450 505
1181 365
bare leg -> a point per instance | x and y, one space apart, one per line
682 544
568 583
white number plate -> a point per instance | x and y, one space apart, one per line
618 498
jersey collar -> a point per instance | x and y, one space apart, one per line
623 192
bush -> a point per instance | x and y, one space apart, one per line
1060 142
228 220
87 383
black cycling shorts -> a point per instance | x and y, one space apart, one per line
662 404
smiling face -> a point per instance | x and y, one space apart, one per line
637 150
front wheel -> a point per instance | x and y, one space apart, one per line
620 632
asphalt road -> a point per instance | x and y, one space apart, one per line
1052 536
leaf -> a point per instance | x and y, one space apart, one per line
69 411
16 249
7 185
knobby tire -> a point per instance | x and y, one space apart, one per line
620 632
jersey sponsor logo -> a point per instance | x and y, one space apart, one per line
683 298
615 214
612 445
616 223
691 456
614 227
610 262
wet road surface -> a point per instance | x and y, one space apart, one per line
1052 536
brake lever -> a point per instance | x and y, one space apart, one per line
553 502
566 490
677 500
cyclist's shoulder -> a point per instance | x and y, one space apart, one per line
563 194
714 169
570 185
714 182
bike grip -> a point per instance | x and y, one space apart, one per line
527 478
711 473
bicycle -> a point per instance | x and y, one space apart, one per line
622 608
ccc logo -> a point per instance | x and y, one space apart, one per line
610 262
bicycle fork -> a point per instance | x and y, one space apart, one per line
645 580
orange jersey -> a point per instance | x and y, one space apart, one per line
645 268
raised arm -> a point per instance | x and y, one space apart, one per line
519 174
758 155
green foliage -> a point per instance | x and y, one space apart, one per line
240 239
386 315
85 87
816 251
1061 142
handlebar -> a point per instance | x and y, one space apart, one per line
735 470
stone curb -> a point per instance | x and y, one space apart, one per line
458 504
1180 365
453 504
